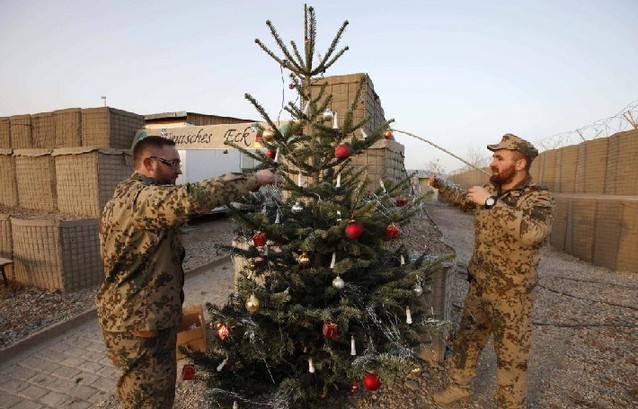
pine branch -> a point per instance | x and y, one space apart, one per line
284 49
262 112
296 52
327 65
309 40
323 64
284 63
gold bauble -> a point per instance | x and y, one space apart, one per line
303 259
252 304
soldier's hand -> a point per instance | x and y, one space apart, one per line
266 177
141 333
478 195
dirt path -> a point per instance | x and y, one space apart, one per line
585 335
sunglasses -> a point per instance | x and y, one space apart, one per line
175 164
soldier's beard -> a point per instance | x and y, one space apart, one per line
165 178
503 177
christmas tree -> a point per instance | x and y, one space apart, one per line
327 298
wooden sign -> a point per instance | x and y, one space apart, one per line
207 137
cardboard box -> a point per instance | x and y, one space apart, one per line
191 332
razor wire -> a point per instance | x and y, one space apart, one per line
626 119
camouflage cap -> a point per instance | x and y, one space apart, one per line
514 143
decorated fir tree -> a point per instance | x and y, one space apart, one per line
326 302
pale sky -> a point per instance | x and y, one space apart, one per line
458 73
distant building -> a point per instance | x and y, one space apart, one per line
183 118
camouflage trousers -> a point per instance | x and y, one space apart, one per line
506 316
148 368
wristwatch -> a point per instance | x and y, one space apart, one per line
490 201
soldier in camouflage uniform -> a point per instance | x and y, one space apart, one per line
140 303
513 218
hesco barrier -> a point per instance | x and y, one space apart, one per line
6 245
596 193
20 132
43 128
68 127
103 127
86 177
384 159
35 178
5 133
56 254
109 127
8 185
52 189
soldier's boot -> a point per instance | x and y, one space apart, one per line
452 394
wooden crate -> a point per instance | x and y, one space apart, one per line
191 332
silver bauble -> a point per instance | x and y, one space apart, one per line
297 207
328 115
338 283
418 290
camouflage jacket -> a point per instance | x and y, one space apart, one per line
509 235
142 251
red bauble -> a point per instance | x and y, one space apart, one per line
401 201
259 239
392 231
342 151
354 230
371 381
330 330
223 331
354 386
271 153
188 372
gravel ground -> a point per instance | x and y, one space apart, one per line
585 332
25 310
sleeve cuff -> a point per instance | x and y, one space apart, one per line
252 184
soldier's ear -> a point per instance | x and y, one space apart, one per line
521 164
147 164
